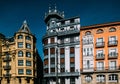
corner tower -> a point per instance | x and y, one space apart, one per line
61 48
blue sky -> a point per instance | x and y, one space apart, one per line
14 12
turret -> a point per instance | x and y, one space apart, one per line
52 16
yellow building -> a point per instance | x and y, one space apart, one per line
18 55
100 58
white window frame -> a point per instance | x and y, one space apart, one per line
100 65
112 52
112 64
100 53
112 78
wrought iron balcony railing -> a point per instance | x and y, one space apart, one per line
100 44
112 43
101 56
113 55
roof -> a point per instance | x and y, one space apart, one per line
24 28
100 25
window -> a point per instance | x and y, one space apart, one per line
62 69
99 31
88 64
62 40
28 38
100 65
112 65
113 77
28 63
46 41
20 44
20 36
87 51
99 42
52 69
52 60
100 78
46 70
19 80
20 62
28 54
62 60
20 71
113 52
112 40
28 45
72 50
72 80
28 71
52 40
71 39
100 53
62 51
88 78
72 69
46 62
28 80
52 50
88 33
112 29
7 54
46 52
20 53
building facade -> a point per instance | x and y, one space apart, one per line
100 59
61 49
18 58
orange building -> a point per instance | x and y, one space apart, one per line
100 58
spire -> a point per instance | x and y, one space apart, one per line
55 8
24 27
49 9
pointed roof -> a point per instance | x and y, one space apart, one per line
24 28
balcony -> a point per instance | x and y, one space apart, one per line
7 67
113 43
63 74
113 68
100 44
87 69
112 55
100 57
7 75
6 59
87 43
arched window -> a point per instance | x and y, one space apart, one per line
20 53
99 31
100 78
88 78
113 77
20 36
88 33
112 29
